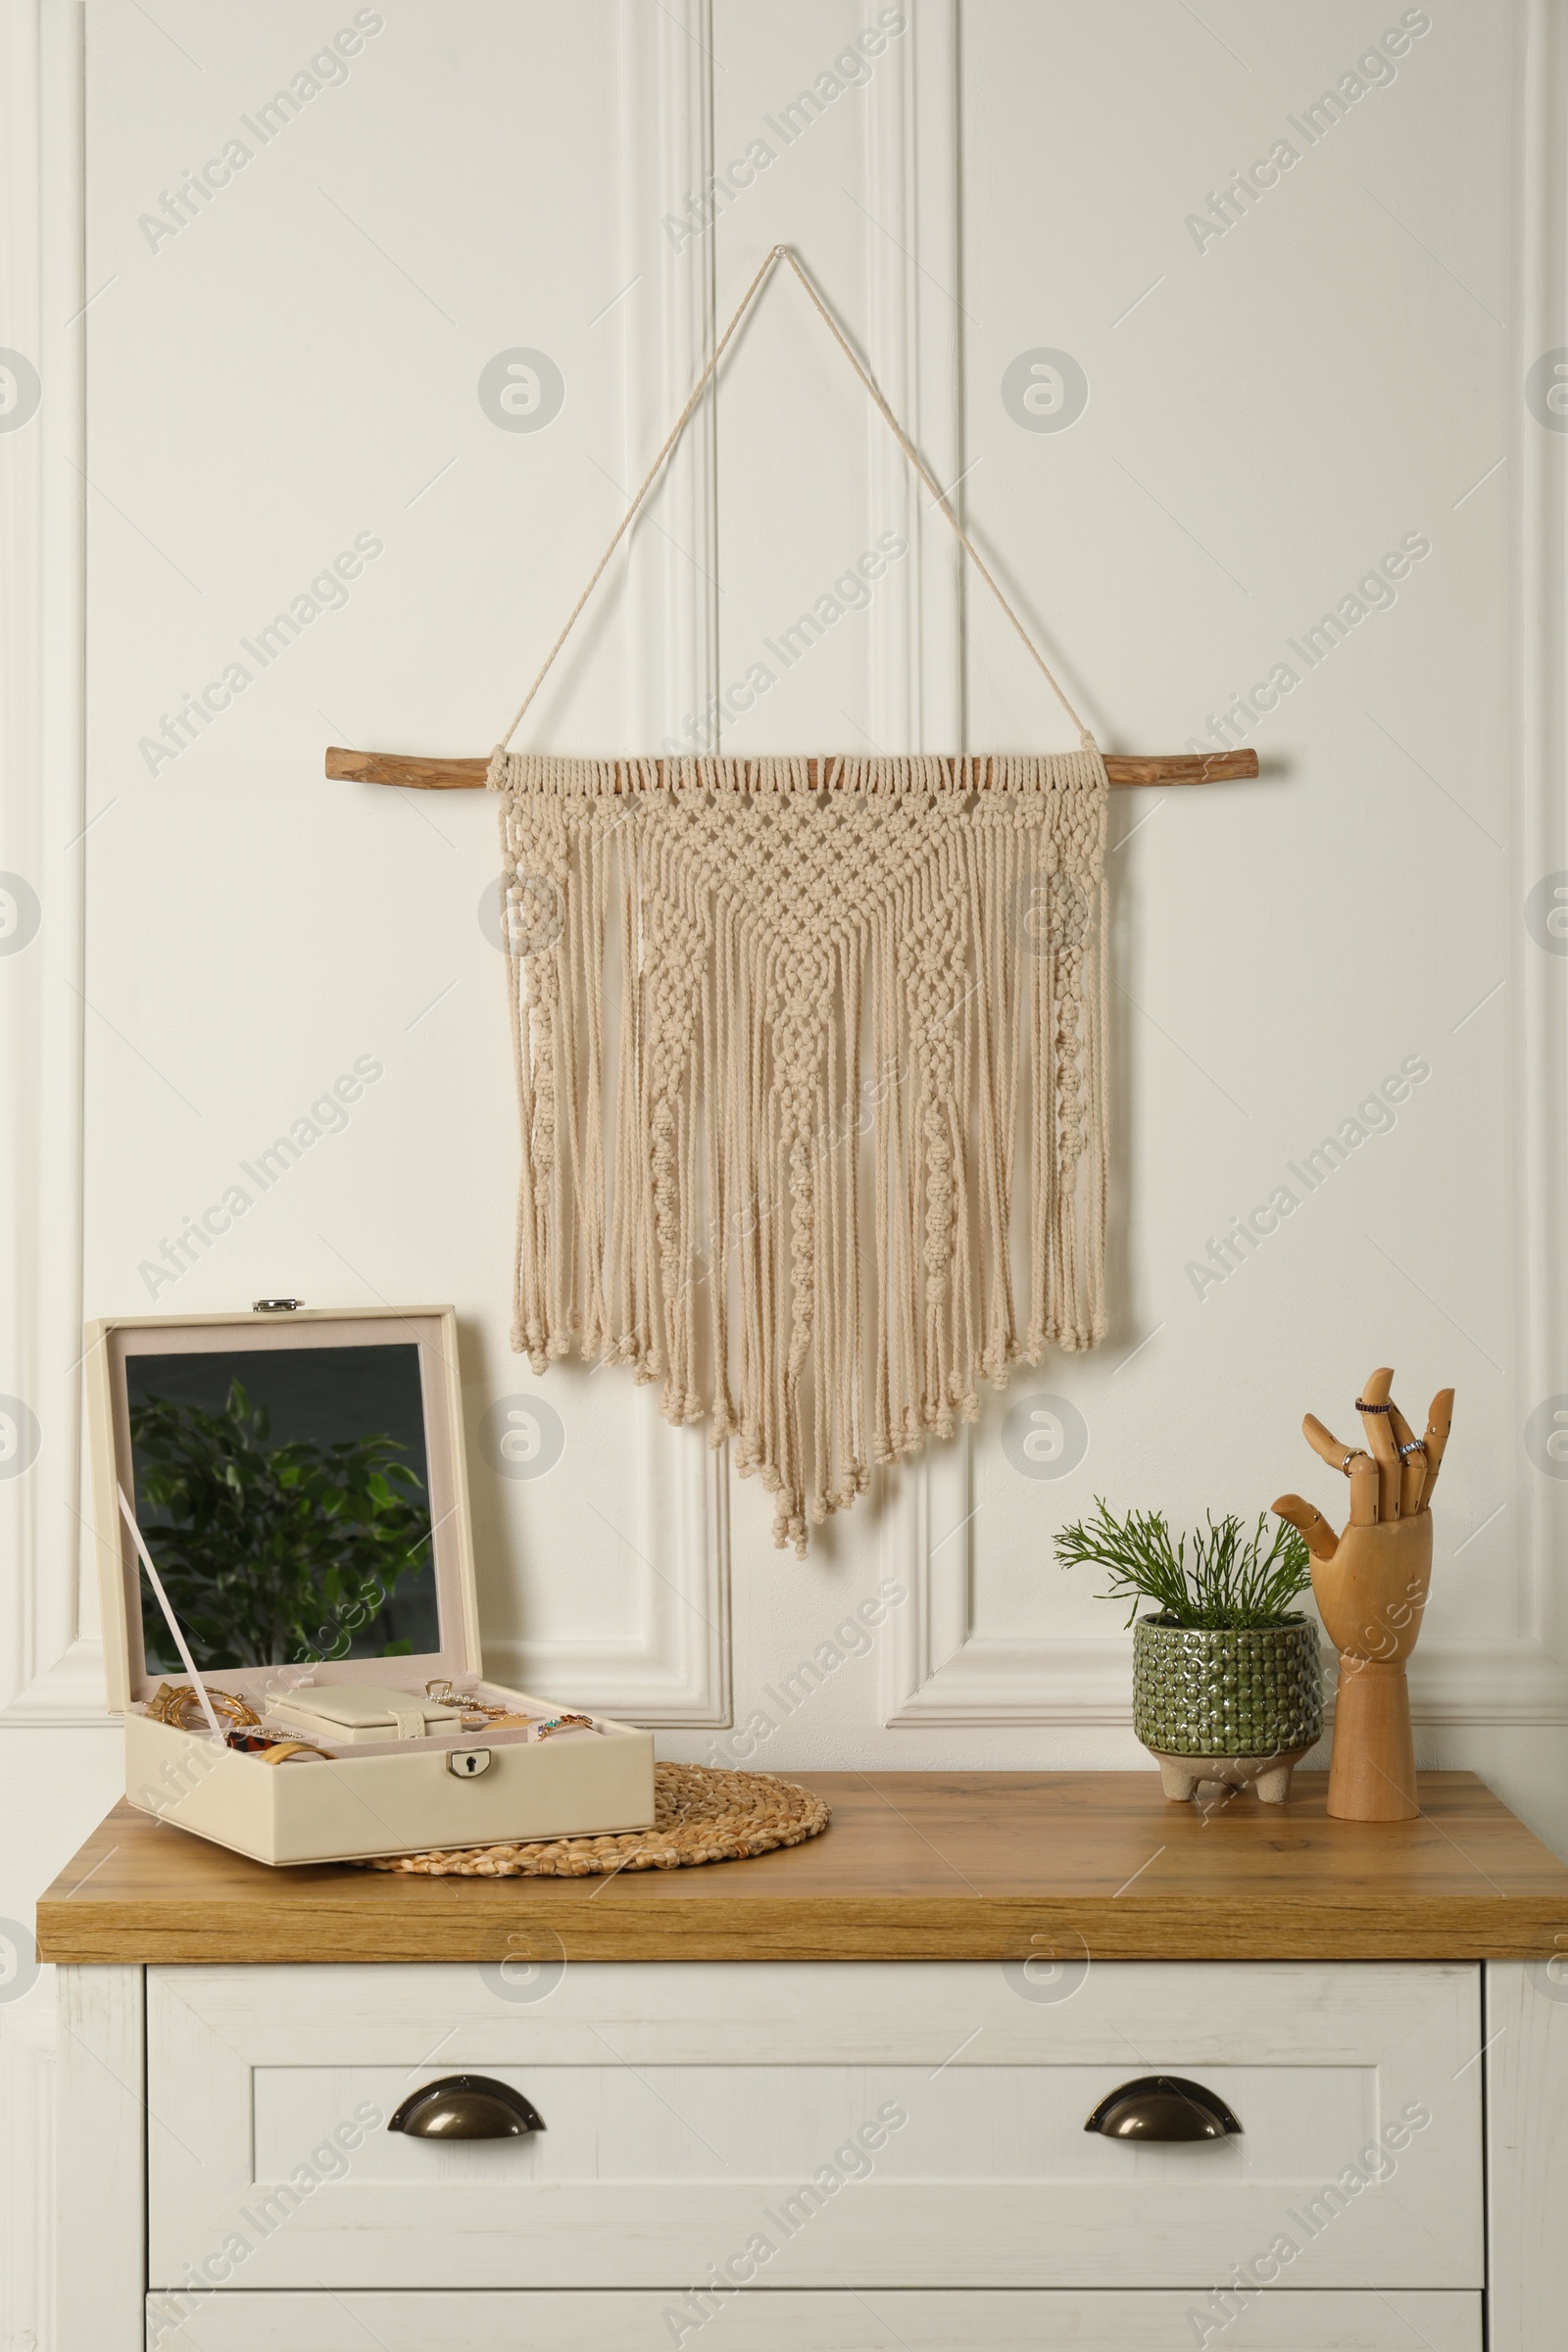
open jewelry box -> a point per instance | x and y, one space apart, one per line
298 1478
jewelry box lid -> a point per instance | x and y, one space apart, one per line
300 1480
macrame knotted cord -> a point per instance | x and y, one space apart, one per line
714 1239
759 924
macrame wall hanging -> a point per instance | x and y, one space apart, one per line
844 1157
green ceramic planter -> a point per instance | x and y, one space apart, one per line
1226 1694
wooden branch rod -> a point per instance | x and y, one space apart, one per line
467 775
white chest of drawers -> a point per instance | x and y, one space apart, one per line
814 2124
833 2155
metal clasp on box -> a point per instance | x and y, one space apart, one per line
468 1762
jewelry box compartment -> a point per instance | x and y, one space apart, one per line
401 1797
282 1512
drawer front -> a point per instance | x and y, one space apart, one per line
1006 2321
795 2126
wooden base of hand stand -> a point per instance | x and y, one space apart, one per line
1372 1769
1370 1584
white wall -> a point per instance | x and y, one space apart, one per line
1269 412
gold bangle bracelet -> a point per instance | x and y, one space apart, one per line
176 1704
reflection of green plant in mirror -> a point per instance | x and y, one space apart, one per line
270 1554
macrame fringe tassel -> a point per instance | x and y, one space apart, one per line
781 1179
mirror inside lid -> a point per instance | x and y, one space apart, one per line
299 1483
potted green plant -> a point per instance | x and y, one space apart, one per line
1227 1680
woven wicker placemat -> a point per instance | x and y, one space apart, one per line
701 1814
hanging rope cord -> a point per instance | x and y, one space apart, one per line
785 253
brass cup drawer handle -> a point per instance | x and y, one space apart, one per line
1162 2107
467 2107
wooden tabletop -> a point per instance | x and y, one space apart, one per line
917 1866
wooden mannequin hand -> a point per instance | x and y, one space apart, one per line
1371 1592
1370 1584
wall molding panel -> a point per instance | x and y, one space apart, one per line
1538 475
48 1673
935 1670
674 1666
48 1665
938 1671
667 575
913 348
